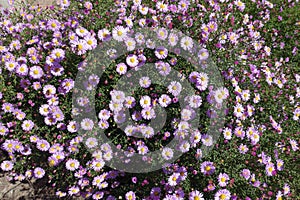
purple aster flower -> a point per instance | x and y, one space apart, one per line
27 125
196 195
161 52
162 33
223 194
36 72
145 82
155 193
207 168
132 60
203 54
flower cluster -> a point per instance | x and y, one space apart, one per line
254 45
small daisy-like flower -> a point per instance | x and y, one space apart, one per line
130 44
145 101
7 107
72 127
223 179
130 130
163 68
7 165
187 43
43 145
22 70
162 33
132 60
143 9
39 172
164 100
49 91
97 165
73 190
91 42
279 164
238 110
107 156
148 132
117 96
203 54
173 39
142 149
82 32
286 189
3 130
223 195
72 164
130 195
243 149
186 114
104 114
240 5
195 138
193 77
115 107
91 142
120 117
145 82
119 33
98 195
167 153
121 68
207 168
162 6
139 37
129 102
227 132
87 124
175 88
195 101
196 195
104 34
161 52
58 54
184 146
294 145
270 169
27 125
174 179
36 72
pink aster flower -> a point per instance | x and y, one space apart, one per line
121 68
7 165
38 172
130 195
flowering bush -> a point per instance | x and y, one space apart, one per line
224 116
